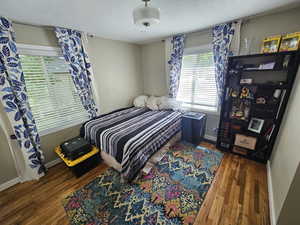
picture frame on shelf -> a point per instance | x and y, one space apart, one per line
256 125
244 141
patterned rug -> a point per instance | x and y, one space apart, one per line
172 193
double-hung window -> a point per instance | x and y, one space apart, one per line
51 92
197 87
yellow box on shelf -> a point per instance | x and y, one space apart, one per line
271 44
290 42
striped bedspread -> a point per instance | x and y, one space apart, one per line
132 135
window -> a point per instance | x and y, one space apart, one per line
197 87
51 91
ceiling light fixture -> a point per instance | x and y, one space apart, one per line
146 16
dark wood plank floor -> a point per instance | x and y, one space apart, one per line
238 196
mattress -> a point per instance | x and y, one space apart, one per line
112 162
132 135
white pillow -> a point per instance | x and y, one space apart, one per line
152 103
169 103
140 101
163 103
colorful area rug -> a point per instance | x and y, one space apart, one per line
172 193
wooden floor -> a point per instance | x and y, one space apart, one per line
238 195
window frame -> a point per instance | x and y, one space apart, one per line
198 50
38 50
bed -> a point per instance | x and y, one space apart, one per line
129 137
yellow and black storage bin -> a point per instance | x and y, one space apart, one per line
84 163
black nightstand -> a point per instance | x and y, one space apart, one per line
193 127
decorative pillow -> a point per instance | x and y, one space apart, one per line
140 101
152 103
163 103
169 103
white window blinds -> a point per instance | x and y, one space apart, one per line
197 87
51 92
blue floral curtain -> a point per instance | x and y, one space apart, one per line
222 36
175 63
14 98
72 47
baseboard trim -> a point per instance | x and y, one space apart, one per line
17 180
210 138
271 196
9 183
53 163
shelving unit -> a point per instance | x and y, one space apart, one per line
252 112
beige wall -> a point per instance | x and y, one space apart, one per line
34 35
7 167
153 69
290 210
117 71
286 155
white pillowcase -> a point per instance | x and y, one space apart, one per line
168 103
157 103
163 103
152 103
140 101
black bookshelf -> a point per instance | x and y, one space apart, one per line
257 90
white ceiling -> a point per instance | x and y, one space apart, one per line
113 18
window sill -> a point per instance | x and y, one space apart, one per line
58 129
209 112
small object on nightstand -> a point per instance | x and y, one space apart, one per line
193 127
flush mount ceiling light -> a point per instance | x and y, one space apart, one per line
146 16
